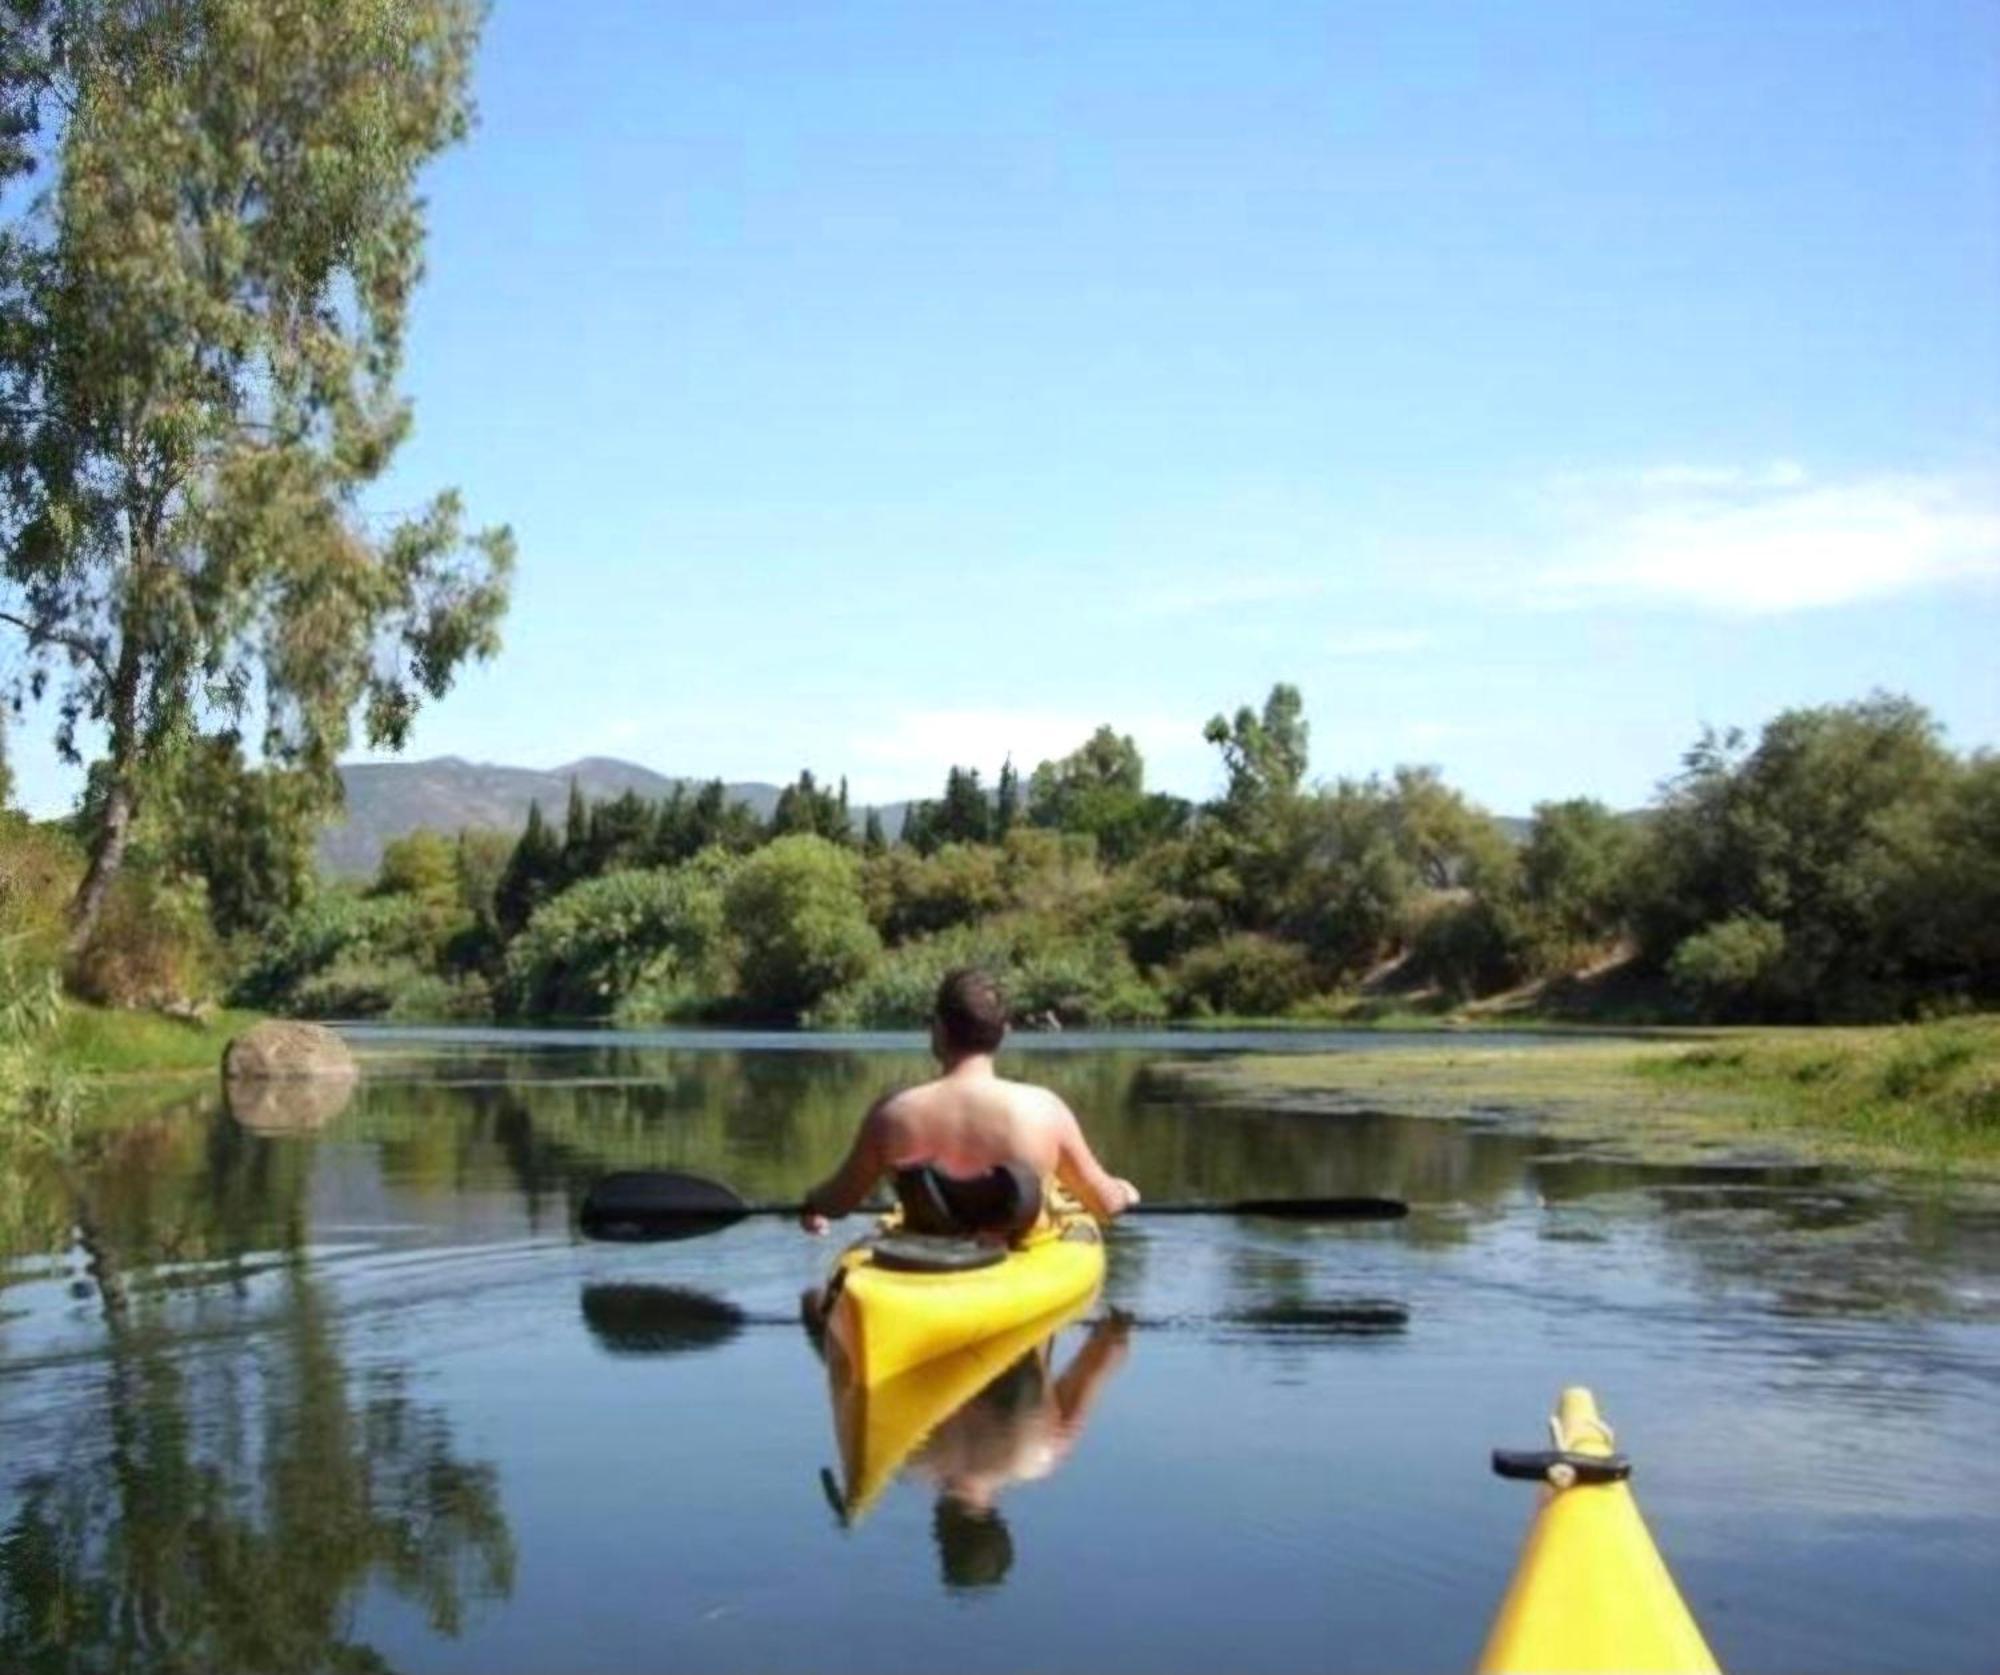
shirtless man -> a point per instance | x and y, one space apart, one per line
969 1122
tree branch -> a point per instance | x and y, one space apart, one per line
39 635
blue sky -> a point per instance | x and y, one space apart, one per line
872 386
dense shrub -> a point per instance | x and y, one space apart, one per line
332 927
1246 975
601 944
1048 975
1466 944
795 912
397 989
39 869
152 945
1728 969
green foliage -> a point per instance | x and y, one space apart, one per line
1731 967
807 807
397 989
908 894
204 287
36 1103
1099 790
801 928
1050 975
335 928
1576 880
39 869
1817 831
1335 872
1006 800
1845 865
152 944
533 874
1265 755
422 866
1244 975
655 934
1465 943
246 832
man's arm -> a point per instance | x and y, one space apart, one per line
1104 1195
845 1188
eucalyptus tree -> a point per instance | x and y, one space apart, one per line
211 238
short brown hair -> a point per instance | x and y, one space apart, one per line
971 1011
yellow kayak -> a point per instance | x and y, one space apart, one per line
1591 1592
877 1427
885 1316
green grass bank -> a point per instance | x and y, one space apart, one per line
1910 1097
99 1041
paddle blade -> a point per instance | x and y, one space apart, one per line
655 1204
1282 1209
1324 1209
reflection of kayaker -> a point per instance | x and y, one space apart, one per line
1024 1424
972 1424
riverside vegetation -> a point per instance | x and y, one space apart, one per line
1843 867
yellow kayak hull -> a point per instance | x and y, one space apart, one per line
877 1427
885 1322
1591 1592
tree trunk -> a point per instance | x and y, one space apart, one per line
107 855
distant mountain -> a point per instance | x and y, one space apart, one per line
447 793
392 799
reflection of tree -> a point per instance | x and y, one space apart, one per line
193 1523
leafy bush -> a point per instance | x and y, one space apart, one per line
39 869
152 945
801 931
333 927
908 894
1728 967
1246 975
601 945
1466 944
1047 974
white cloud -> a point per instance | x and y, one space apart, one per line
1380 642
1199 598
1766 540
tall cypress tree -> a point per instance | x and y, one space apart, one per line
576 835
533 874
1006 800
966 816
873 839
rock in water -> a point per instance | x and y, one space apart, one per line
273 1105
280 1050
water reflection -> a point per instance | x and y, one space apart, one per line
263 1384
628 1319
203 1481
224 1512
971 1425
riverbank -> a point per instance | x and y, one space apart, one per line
100 1041
1923 1097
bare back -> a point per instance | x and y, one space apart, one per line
968 1121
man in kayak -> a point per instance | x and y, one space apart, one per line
970 1151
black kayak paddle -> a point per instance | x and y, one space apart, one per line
657 1204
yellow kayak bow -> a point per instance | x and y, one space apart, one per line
1591 1593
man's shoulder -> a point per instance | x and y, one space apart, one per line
1032 1096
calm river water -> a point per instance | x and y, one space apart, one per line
354 1396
